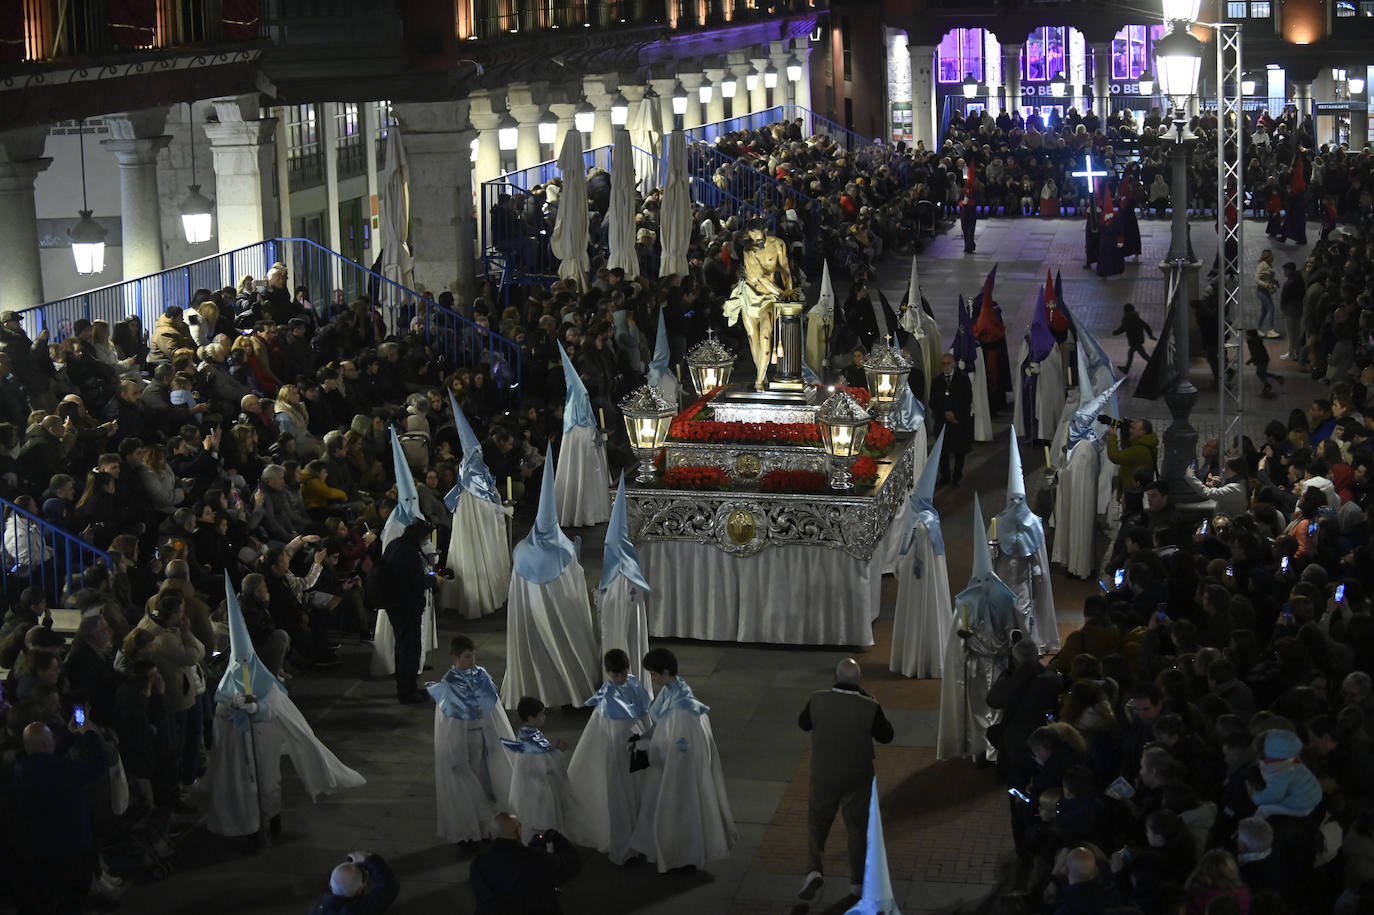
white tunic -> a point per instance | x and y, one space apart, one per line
541 796
1075 510
923 610
608 794
982 410
479 556
970 670
1048 405
1029 578
551 646
472 774
624 622
582 480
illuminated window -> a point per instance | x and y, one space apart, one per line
1044 56
1237 9
1366 8
1345 9
959 54
1132 50
1260 9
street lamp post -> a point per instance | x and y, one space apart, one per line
1178 60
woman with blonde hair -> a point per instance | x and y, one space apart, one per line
103 350
202 321
294 420
159 483
1216 874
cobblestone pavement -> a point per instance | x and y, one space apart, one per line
946 830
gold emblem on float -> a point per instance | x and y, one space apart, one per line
740 526
747 466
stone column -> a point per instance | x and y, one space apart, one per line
241 144
370 126
282 151
759 99
443 234
1011 77
740 67
483 118
1102 71
801 89
664 88
329 145
599 91
565 112
923 127
779 56
136 137
692 83
21 159
521 102
715 108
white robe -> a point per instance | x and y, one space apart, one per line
1049 402
624 622
479 557
383 663
685 816
982 410
582 482
1029 579
924 608
969 672
890 546
1075 511
608 794
551 647
472 774
245 786
541 795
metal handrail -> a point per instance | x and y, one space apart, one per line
64 557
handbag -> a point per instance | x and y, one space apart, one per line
639 759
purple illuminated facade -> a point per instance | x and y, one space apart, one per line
959 53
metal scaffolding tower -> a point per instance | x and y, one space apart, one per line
1230 241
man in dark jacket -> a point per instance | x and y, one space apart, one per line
951 408
410 577
1025 692
843 721
29 359
90 667
58 852
1290 306
513 877
362 885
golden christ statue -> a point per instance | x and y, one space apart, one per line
766 279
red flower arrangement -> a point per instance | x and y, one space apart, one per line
865 470
695 478
794 481
879 440
685 427
860 394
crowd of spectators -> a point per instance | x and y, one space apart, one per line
1206 733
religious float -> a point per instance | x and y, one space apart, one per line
767 515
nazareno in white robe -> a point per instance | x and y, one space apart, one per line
581 479
900 525
1076 509
472 774
1049 397
923 611
551 646
982 410
1029 579
541 795
608 794
479 557
685 816
969 672
245 787
624 622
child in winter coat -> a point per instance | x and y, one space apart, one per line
1259 358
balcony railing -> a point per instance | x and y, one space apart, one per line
352 157
484 19
45 30
305 169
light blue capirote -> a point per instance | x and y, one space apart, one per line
1081 426
620 557
987 598
923 501
407 510
1019 531
877 893
1090 354
546 550
246 675
658 366
473 474
909 414
577 408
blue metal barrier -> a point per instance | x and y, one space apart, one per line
596 157
709 133
39 553
460 341
740 180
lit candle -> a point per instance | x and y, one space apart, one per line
601 413
247 680
646 432
992 529
509 497
884 384
1047 455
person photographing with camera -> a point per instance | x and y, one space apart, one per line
362 885
511 876
1132 445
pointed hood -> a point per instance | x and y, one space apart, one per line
577 409
1041 337
877 894
1108 205
1081 426
620 557
473 474
825 301
923 497
1019 530
909 414
987 601
546 550
1054 298
964 347
913 299
658 366
407 508
988 326
1098 363
246 674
